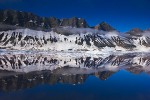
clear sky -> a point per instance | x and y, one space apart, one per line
121 14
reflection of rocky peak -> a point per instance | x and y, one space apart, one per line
104 26
135 32
136 70
29 80
104 75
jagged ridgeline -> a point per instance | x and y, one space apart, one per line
32 21
26 31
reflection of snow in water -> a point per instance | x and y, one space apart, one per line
86 63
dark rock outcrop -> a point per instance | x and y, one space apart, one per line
54 22
74 22
135 32
104 26
32 21
23 19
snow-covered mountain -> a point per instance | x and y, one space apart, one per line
27 31
73 39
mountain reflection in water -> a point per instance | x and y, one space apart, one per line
26 71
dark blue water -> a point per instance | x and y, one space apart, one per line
121 85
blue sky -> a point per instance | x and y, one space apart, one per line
121 14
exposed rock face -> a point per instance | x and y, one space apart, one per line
104 26
135 32
30 20
74 22
23 19
54 22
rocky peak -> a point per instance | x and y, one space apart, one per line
54 22
104 26
30 20
74 22
135 32
19 18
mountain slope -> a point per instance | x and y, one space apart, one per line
71 34
76 39
73 39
